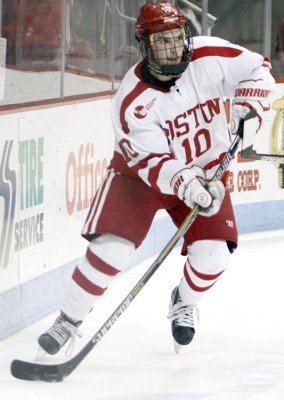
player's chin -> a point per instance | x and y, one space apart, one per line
173 61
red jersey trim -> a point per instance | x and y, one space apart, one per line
154 173
137 72
266 64
139 88
118 163
218 161
211 51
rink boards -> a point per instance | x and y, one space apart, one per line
53 159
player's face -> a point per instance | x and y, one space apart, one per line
167 47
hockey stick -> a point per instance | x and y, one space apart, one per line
57 372
251 154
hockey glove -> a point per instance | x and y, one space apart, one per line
250 95
190 186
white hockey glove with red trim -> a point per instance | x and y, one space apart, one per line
190 186
250 95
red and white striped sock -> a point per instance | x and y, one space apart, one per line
206 261
105 258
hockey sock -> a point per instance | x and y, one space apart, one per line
206 261
106 256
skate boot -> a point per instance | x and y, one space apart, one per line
182 316
61 331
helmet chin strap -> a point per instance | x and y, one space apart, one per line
165 70
170 71
174 70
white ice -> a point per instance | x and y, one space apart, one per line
237 353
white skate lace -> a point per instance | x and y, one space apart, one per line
71 345
183 313
61 331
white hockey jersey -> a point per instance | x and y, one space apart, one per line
158 132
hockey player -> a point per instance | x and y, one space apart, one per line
171 133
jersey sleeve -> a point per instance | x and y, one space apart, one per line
142 142
236 63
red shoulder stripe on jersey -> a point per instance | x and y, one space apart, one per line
210 51
139 88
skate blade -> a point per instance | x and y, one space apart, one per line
177 347
41 355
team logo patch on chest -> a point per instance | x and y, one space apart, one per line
140 112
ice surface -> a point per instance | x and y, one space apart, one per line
237 353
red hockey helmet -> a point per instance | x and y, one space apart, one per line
160 17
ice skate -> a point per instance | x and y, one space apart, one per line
63 329
182 316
